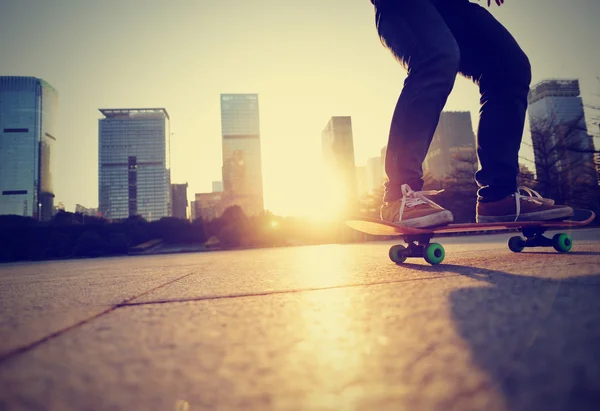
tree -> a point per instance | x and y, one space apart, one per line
564 162
89 244
235 228
526 177
118 243
369 205
594 110
65 218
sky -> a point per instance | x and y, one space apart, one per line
307 61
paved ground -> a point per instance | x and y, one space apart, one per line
335 327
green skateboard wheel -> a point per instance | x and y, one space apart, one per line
516 244
434 253
562 242
398 254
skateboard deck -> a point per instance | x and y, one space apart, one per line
419 245
379 227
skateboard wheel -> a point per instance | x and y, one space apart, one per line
398 253
434 253
516 244
562 242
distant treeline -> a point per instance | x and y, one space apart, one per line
73 235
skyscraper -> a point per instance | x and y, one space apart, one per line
28 117
562 147
361 181
134 163
179 200
375 174
452 147
337 143
242 164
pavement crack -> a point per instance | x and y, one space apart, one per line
34 344
275 292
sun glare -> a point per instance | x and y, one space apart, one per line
310 192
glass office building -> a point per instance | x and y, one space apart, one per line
134 163
179 200
28 121
242 164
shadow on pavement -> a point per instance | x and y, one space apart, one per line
537 338
569 253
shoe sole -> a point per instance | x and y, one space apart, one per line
552 214
431 220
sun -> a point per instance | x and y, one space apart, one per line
310 192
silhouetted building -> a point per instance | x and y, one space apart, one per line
28 117
208 206
179 200
562 146
526 176
134 165
217 186
375 174
193 215
337 143
452 147
242 164
86 211
361 181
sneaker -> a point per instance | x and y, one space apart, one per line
415 210
517 207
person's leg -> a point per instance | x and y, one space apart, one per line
494 60
418 37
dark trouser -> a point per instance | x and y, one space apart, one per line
435 40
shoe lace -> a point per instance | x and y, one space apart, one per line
412 198
534 197
533 194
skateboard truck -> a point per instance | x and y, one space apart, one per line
418 246
534 237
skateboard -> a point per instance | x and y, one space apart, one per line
419 245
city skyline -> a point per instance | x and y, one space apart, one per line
303 79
